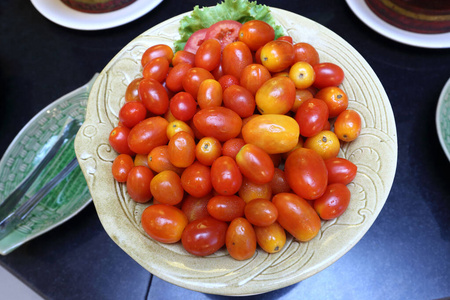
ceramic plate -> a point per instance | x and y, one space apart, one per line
61 14
374 152
443 119
366 15
26 150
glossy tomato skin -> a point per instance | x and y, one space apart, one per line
226 32
271 238
240 100
183 56
118 139
195 40
226 208
209 94
166 188
256 33
174 79
193 78
241 239
306 173
297 216
226 177
348 125
250 190
148 134
311 116
176 126
132 91
183 106
121 167
227 81
181 149
207 150
235 57
208 55
276 96
196 180
307 53
204 236
255 164
132 113
158 160
327 74
164 223
261 212
160 50
325 143
156 69
277 55
253 77
340 170
334 201
195 208
335 98
154 96
273 133
138 184
219 122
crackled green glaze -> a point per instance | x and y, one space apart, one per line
25 152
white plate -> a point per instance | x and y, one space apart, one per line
366 15
443 119
61 14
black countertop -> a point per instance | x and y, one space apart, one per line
404 255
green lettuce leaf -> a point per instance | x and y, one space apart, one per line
238 10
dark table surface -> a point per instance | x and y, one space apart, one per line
404 255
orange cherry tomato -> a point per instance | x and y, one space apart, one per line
164 223
154 96
261 212
240 239
226 208
225 176
307 53
306 173
272 132
193 78
270 238
195 208
240 100
325 143
250 190
256 33
219 122
340 170
232 146
132 91
255 164
196 180
302 74
156 69
300 97
174 79
141 160
335 98
148 134
348 125
181 149
207 150
208 55
209 94
121 166
138 184
334 201
297 216
235 57
166 188
276 96
177 126
158 160
156 51
277 55
253 77
183 56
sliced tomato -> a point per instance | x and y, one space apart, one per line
226 32
195 40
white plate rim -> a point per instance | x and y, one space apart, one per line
367 16
442 98
61 14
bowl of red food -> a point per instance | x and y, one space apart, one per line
283 175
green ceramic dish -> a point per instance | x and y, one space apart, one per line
26 150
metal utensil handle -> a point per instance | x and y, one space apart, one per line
12 220
11 201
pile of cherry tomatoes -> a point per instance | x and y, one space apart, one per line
231 138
